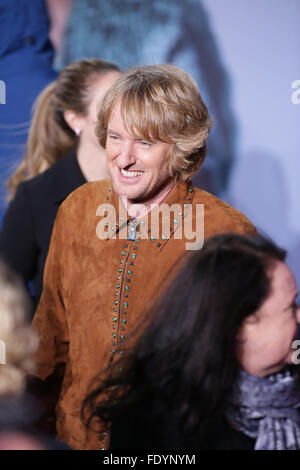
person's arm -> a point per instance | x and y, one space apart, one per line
17 241
51 324
59 12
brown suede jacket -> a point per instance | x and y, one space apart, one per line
97 290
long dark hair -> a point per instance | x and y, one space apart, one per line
185 359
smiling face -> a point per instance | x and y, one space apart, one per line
139 169
266 337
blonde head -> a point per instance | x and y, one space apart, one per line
50 137
18 342
161 103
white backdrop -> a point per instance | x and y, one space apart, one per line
259 42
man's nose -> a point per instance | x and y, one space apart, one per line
127 154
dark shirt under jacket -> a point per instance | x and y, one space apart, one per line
28 222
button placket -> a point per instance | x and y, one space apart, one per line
122 289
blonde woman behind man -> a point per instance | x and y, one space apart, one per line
62 154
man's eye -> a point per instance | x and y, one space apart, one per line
144 142
113 137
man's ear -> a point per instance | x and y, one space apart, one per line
72 119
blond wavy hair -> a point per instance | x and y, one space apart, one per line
18 340
161 103
50 137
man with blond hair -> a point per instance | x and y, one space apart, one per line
114 241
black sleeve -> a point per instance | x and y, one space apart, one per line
17 241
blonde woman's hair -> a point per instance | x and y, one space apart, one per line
18 341
50 137
161 103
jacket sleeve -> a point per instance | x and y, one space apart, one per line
50 320
17 241
52 328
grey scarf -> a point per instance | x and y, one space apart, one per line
266 409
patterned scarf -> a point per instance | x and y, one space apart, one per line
266 409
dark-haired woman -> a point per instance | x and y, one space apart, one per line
213 369
62 154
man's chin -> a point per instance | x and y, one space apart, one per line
131 197
126 190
